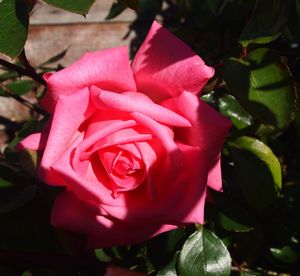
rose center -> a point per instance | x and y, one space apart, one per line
125 169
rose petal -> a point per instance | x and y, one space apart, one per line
90 183
185 195
136 102
70 112
164 66
108 69
208 132
71 214
214 180
102 133
32 142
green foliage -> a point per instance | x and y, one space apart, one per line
14 20
267 22
257 171
78 6
204 254
263 86
18 87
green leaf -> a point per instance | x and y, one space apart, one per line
14 20
133 4
102 256
19 87
15 191
231 108
116 9
257 172
9 75
78 6
263 86
55 58
170 268
231 216
204 254
288 254
266 23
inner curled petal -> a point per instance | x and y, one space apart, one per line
137 102
125 170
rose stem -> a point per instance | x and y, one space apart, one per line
30 69
23 71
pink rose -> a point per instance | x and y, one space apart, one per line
132 143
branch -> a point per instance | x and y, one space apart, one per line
30 69
23 101
22 71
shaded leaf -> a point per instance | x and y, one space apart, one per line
263 86
231 216
267 21
287 254
257 171
116 9
78 6
14 21
204 254
15 190
133 4
170 268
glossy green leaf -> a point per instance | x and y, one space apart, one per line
133 4
14 20
231 108
263 86
231 216
257 171
116 9
204 254
266 22
78 6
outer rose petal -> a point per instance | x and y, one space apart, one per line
72 214
70 112
208 131
178 202
164 66
32 142
214 180
109 69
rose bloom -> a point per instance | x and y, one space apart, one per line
133 145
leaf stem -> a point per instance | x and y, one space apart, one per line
23 101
